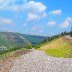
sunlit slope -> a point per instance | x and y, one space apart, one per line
60 47
12 40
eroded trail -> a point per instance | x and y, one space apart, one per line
38 61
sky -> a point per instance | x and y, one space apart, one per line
36 17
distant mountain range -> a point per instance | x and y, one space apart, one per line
11 40
34 39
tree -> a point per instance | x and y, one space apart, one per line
71 32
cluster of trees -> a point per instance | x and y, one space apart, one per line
57 36
14 49
71 32
53 37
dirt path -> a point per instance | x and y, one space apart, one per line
38 61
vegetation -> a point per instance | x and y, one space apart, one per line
11 50
57 36
57 48
34 39
57 45
14 40
52 38
8 57
71 32
49 39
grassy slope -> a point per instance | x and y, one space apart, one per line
59 48
9 53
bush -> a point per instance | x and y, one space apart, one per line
14 49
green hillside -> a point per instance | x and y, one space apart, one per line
60 47
12 40
34 39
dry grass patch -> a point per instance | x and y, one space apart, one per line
57 48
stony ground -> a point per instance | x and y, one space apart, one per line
7 61
38 61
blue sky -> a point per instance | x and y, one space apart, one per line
36 17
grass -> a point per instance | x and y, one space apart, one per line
10 50
9 53
58 52
57 48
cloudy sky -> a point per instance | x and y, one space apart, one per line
36 17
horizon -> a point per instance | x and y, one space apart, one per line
35 17
33 34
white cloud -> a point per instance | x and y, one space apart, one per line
57 12
11 4
41 30
32 16
32 10
25 5
6 21
6 2
51 23
35 6
44 15
37 28
67 22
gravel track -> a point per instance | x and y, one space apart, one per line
38 61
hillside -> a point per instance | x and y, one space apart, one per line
34 39
12 40
59 47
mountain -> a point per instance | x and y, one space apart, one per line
11 40
34 39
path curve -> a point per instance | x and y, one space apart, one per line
38 61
